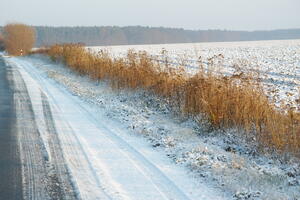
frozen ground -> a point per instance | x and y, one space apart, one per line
276 62
102 157
198 162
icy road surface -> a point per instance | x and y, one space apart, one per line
66 149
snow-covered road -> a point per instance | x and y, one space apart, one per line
83 153
28 170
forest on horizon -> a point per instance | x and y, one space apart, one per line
114 35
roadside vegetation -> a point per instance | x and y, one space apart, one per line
19 39
236 101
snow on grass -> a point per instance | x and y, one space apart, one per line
276 62
105 159
219 160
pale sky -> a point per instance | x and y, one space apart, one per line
188 14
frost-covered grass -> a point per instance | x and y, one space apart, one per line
216 157
276 62
235 100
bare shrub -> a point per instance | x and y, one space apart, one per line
19 39
236 101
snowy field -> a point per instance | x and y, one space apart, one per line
214 164
277 63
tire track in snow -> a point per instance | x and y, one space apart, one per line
80 159
31 145
45 175
73 151
143 170
59 171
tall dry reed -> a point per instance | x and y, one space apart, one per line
236 101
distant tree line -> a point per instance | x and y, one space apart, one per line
114 35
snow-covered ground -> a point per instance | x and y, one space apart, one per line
172 157
276 62
106 159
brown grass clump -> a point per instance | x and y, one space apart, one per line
227 102
19 39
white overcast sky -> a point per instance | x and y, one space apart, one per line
188 14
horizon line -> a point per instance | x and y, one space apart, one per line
146 26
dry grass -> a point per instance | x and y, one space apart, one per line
227 102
